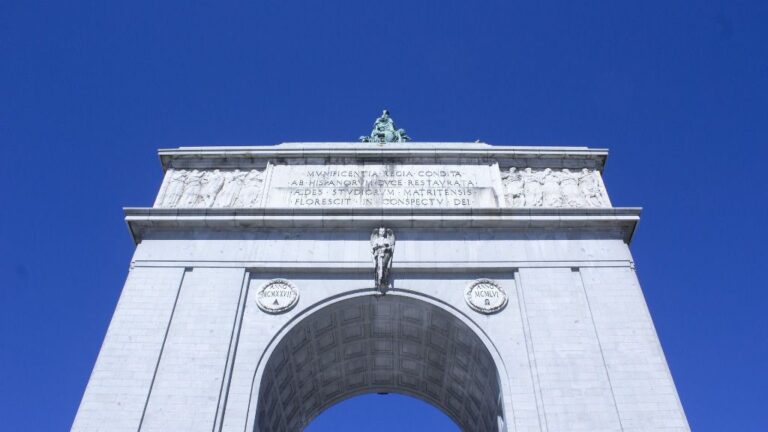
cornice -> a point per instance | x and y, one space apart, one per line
144 220
438 151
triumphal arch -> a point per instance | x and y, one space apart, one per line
271 282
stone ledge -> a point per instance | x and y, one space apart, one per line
142 220
409 267
435 151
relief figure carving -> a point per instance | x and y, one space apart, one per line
211 185
175 188
591 188
192 185
553 188
251 191
572 196
233 182
550 189
532 188
513 187
212 189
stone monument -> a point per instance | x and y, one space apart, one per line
265 288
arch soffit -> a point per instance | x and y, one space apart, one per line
311 310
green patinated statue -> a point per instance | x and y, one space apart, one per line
384 131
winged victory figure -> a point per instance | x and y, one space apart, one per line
382 247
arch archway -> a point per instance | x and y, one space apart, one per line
382 412
379 344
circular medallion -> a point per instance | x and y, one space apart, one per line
485 296
277 296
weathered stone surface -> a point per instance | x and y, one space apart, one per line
412 175
189 347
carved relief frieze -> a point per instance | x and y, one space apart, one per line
553 188
212 188
522 187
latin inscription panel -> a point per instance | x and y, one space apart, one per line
384 186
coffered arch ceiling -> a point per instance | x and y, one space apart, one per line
379 344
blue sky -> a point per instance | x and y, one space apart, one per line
677 90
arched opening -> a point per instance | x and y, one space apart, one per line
382 412
379 344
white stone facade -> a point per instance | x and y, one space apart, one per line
573 347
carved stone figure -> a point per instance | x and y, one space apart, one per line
383 247
569 184
212 183
550 189
532 188
590 187
513 188
192 186
175 188
553 188
215 188
233 182
251 190
384 131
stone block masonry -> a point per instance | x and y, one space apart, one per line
557 338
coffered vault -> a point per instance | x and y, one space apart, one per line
380 344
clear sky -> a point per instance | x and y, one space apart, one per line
677 90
